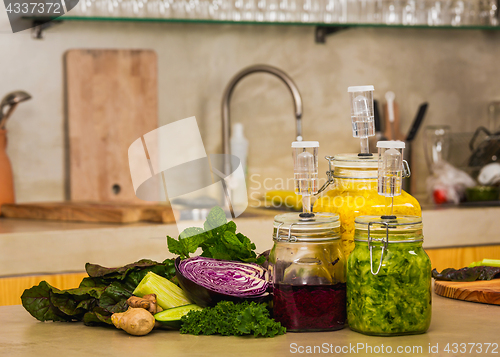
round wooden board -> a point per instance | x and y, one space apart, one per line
486 292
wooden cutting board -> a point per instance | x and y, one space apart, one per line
487 292
111 99
90 212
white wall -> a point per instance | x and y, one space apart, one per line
455 71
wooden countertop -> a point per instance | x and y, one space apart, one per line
453 321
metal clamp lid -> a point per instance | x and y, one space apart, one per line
384 247
329 175
288 238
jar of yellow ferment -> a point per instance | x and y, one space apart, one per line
353 193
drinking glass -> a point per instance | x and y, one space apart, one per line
409 13
392 12
436 144
248 10
272 10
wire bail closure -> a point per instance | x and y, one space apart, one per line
384 247
406 169
287 238
329 175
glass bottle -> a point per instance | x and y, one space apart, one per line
389 277
307 268
354 193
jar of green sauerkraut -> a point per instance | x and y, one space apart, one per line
307 268
354 193
388 277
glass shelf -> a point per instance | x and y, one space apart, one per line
322 29
209 21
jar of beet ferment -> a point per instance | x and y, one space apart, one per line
307 268
388 277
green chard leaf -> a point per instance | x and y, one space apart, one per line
97 271
37 301
96 298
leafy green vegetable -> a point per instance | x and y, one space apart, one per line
227 318
467 274
217 240
103 293
395 301
486 262
168 294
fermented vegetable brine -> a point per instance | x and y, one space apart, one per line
388 277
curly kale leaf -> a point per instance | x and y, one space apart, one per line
228 319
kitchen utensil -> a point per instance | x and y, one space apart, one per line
6 178
436 144
392 123
487 151
11 100
494 116
417 122
379 134
112 99
489 174
90 212
486 292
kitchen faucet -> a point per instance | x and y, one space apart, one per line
226 126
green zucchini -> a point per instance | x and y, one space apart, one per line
172 317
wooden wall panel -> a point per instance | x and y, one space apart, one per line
12 288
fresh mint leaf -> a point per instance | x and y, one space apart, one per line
191 232
175 247
232 242
188 244
216 218
218 240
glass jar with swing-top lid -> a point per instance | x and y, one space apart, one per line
388 277
307 268
353 193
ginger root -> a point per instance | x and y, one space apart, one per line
147 302
135 321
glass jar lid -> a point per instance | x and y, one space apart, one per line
353 161
294 227
398 229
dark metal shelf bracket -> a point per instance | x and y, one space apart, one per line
40 26
321 32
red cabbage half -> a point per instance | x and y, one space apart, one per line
207 281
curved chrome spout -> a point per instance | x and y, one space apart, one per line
226 126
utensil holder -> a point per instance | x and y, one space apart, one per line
6 178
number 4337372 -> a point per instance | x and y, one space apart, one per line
474 348
34 8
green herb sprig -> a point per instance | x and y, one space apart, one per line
217 240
